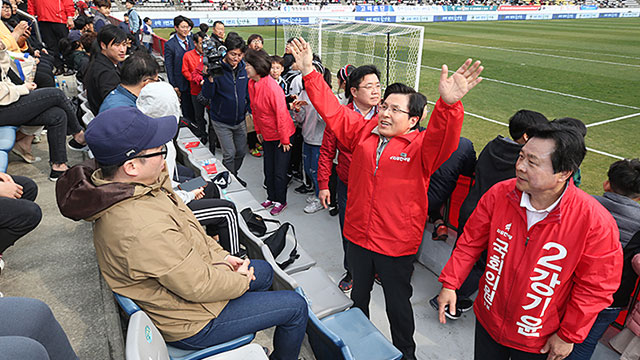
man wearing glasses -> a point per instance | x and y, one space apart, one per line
388 181
152 249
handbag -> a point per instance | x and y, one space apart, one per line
277 241
255 222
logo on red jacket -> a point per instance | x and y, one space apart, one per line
495 263
401 158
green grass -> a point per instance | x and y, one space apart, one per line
595 60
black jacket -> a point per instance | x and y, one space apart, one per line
497 162
100 78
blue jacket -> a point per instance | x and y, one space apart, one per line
173 53
229 95
118 97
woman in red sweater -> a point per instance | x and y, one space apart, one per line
273 125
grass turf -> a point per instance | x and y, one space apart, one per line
587 69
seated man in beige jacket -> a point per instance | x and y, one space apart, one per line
151 248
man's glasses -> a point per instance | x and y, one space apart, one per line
162 152
371 86
394 109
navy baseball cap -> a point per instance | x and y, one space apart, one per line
118 134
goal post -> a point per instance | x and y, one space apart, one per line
395 49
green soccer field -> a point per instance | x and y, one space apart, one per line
588 69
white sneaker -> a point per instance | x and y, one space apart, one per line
313 207
310 199
1 264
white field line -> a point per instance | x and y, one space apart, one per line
525 86
507 125
533 53
612 120
579 52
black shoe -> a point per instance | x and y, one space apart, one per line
242 182
346 283
76 146
435 305
333 211
304 189
464 304
377 279
55 174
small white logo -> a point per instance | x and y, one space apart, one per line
508 227
130 152
400 158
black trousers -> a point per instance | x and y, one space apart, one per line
219 217
485 348
187 105
276 161
51 34
19 216
395 274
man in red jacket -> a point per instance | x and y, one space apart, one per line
388 180
55 18
191 61
364 91
554 258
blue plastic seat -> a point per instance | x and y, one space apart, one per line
130 308
348 335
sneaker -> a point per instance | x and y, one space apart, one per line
310 199
242 182
267 204
440 232
303 189
76 146
55 174
333 210
277 208
435 305
346 283
1 264
313 207
255 152
464 304
259 147
37 139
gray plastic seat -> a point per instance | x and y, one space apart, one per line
323 295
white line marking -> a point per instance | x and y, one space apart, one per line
578 51
507 125
533 53
522 86
614 119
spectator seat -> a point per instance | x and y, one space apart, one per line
140 336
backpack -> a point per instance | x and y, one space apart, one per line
277 241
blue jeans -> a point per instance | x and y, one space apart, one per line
30 331
256 310
584 350
341 194
310 155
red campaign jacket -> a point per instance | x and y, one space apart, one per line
328 152
387 202
271 118
56 11
555 277
191 61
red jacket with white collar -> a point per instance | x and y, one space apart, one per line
387 199
555 277
56 11
328 152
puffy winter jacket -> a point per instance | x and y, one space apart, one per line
229 95
387 206
270 115
553 278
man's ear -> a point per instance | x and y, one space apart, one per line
413 121
563 176
606 186
353 90
130 168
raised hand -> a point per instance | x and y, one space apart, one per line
301 51
453 88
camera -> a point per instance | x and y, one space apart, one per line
213 53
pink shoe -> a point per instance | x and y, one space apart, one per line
267 204
277 208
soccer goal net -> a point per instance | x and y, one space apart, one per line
396 50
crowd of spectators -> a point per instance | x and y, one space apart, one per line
177 253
